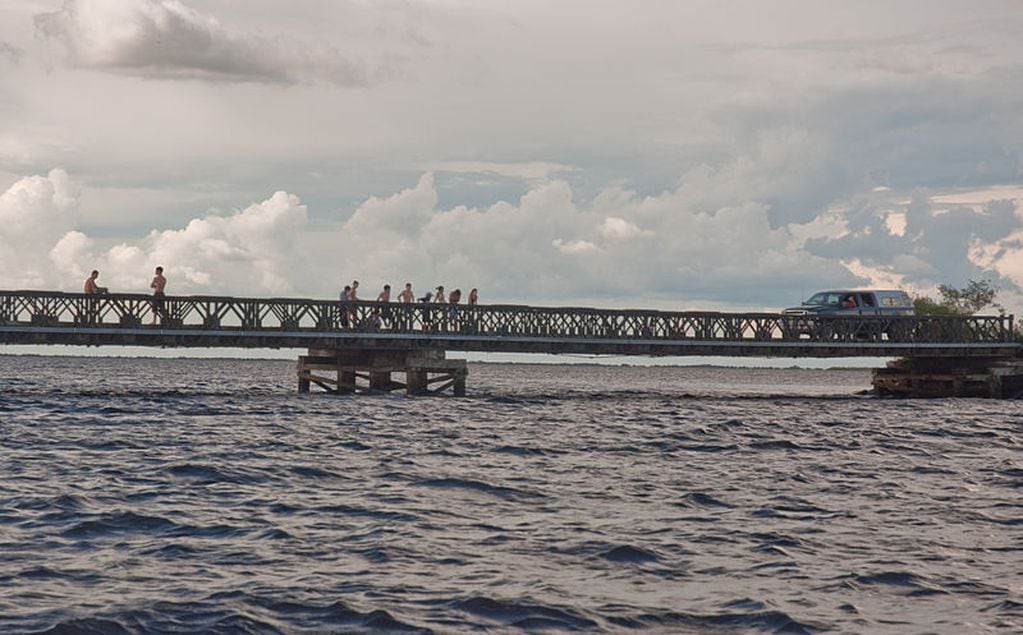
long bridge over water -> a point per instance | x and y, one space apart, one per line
347 341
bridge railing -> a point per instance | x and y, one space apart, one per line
283 315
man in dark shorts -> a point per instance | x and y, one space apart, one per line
91 287
385 318
157 285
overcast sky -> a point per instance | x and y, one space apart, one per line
677 154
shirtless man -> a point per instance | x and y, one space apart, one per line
353 294
157 285
406 295
91 287
385 313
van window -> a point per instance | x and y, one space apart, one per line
825 298
896 299
867 298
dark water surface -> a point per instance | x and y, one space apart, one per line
206 496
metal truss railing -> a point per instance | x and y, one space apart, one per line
286 315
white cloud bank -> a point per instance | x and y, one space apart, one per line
253 250
35 213
618 249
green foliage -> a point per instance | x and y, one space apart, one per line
971 299
923 305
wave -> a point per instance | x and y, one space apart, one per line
525 451
118 523
628 553
523 613
772 621
498 491
701 499
235 613
914 584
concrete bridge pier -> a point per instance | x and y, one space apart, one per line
996 378
346 371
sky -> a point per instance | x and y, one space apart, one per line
681 154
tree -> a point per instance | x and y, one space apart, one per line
976 296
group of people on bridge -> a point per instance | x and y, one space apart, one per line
384 317
407 296
448 317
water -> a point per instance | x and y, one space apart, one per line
150 495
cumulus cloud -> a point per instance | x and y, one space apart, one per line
695 245
573 246
253 248
169 39
256 250
620 244
621 229
929 244
35 213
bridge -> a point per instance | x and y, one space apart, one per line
371 340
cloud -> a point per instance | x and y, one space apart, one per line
931 246
619 244
66 254
256 250
167 39
573 246
621 229
35 213
672 249
10 53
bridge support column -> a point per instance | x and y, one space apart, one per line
415 382
997 378
339 371
380 380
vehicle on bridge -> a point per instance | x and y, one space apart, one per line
886 303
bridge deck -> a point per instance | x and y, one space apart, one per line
38 317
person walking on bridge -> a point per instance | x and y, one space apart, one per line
453 299
385 312
91 313
472 322
406 297
344 313
158 284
